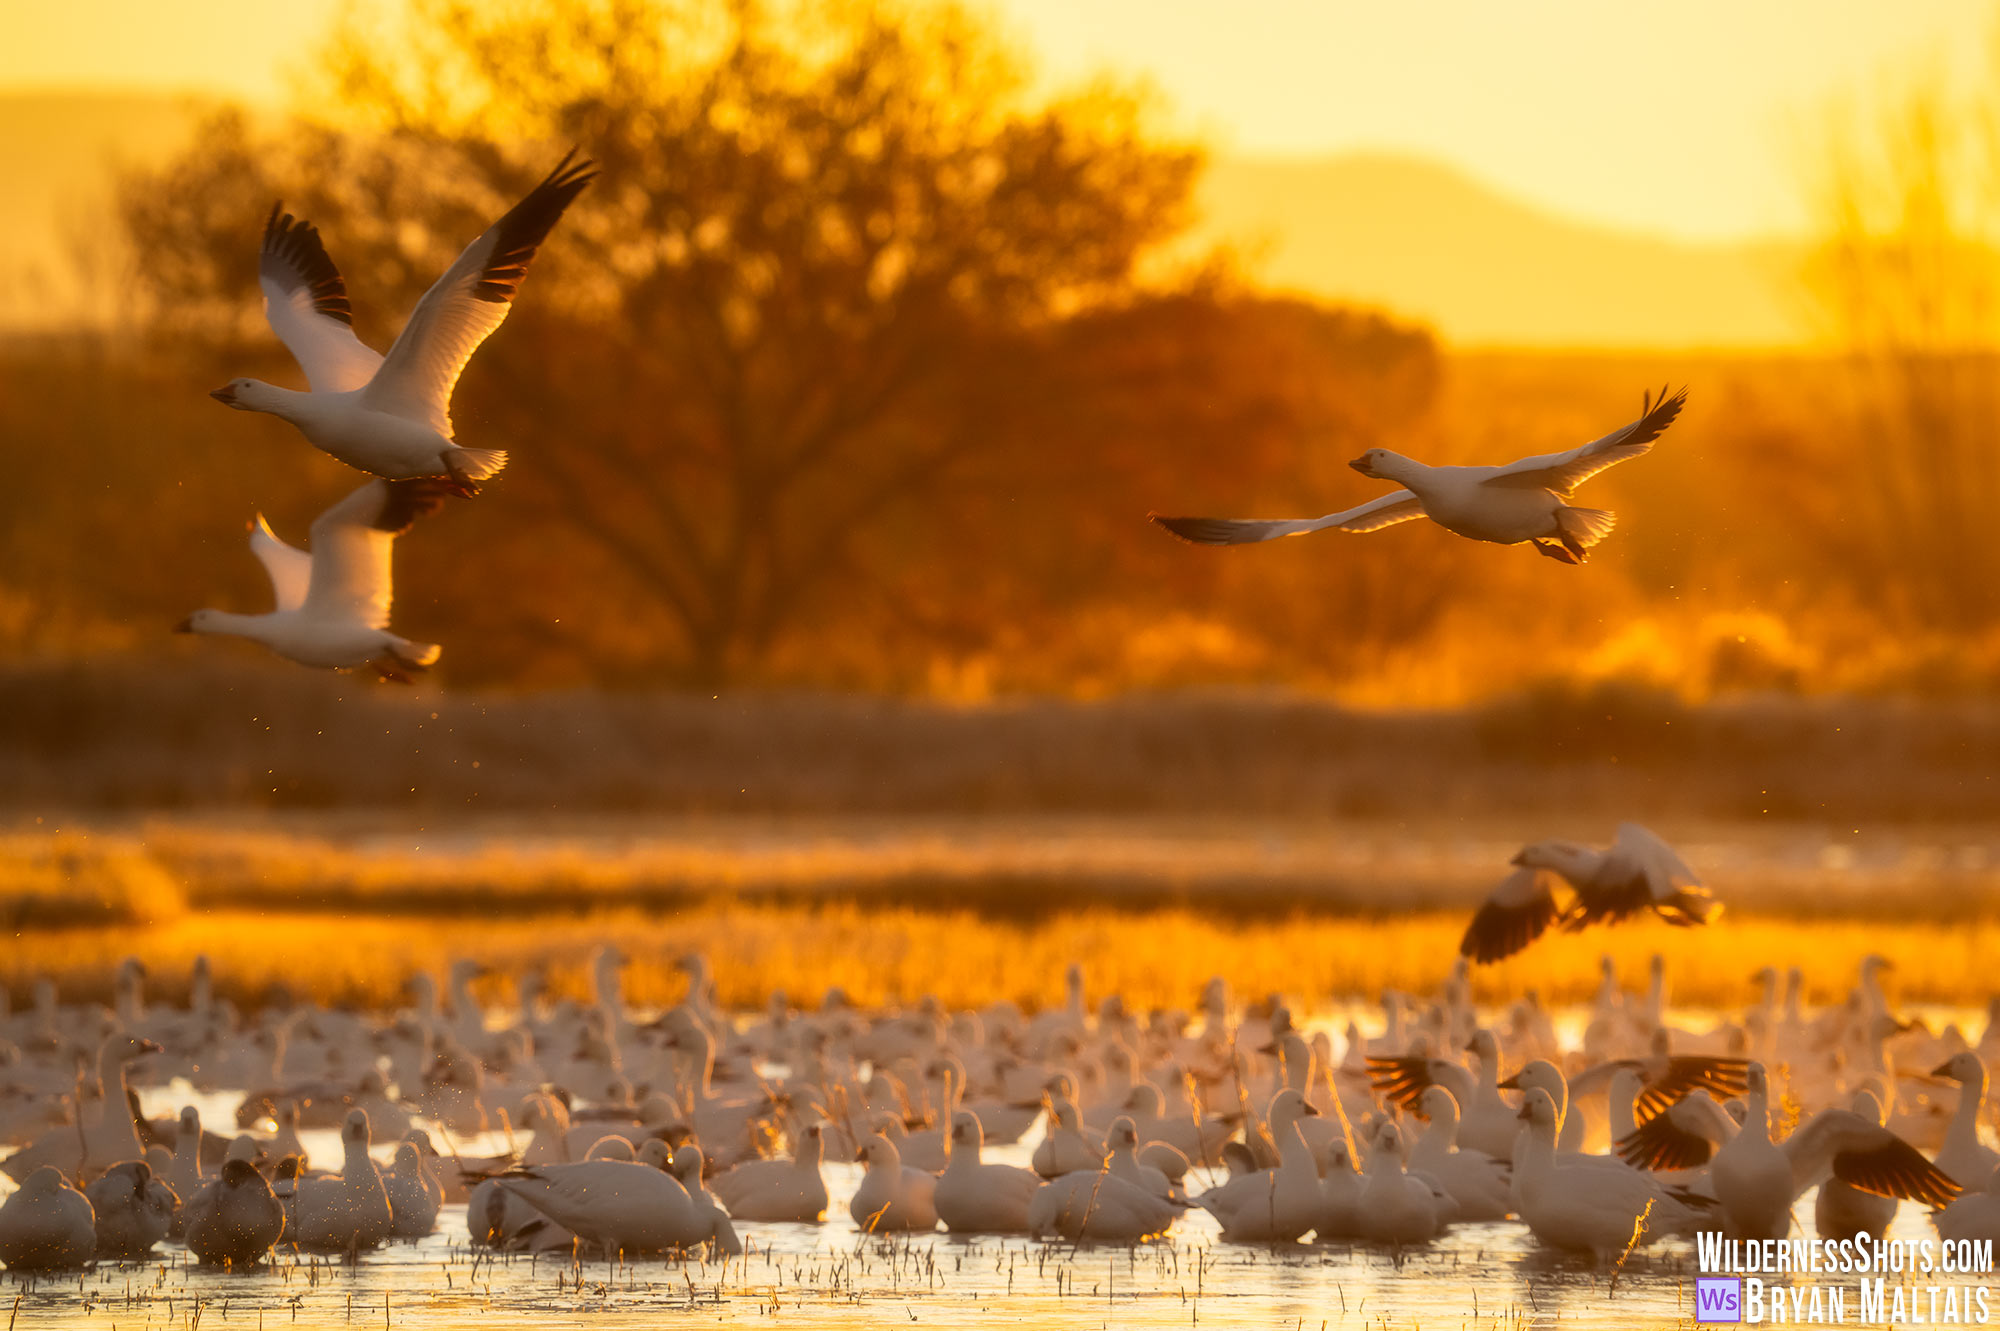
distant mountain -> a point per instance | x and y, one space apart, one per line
1410 235
1425 240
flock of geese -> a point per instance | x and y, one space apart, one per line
636 1132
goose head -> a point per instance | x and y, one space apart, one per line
1375 463
246 395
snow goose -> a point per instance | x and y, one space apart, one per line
102 1132
333 604
1600 1210
1843 1210
1637 871
134 1210
778 1190
237 1220
974 1197
1855 1148
1480 1183
415 1196
1974 1215
391 416
1749 1173
347 1211
1095 1206
1963 1155
614 1205
1666 1079
46 1225
1395 1207
1273 1205
1121 1141
1340 1194
1506 505
686 1164
1066 1147
892 1196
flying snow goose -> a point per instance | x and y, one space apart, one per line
333 604
391 416
1637 871
1855 1148
1521 501
1667 1079
46 1225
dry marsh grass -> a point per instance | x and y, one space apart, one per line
1156 958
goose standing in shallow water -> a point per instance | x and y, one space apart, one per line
1279 1204
350 1210
333 604
134 1210
237 1220
46 1225
391 416
778 1190
974 1197
892 1196
1963 1155
1506 505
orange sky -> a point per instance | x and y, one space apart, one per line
1674 117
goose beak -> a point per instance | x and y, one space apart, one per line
185 626
225 395
1361 465
1512 1083
1518 862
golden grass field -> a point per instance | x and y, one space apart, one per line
894 913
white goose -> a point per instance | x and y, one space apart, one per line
134 1210
349 1210
1599 1208
1273 1205
415 1195
333 604
1095 1205
1963 1155
1506 505
615 1205
1395 1206
391 416
1480 1183
237 1219
778 1190
1974 1215
974 1197
46 1225
1637 871
892 1196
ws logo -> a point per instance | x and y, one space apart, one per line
1718 1299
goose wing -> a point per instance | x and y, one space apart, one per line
1563 472
1514 915
463 307
289 568
352 546
305 302
1392 508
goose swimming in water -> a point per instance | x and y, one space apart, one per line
391 416
1506 505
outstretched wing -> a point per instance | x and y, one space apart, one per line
1563 472
1392 508
463 307
289 567
305 302
353 542
1513 915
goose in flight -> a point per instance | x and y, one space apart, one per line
391 416
333 604
1636 872
1507 505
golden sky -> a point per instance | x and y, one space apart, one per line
1675 117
